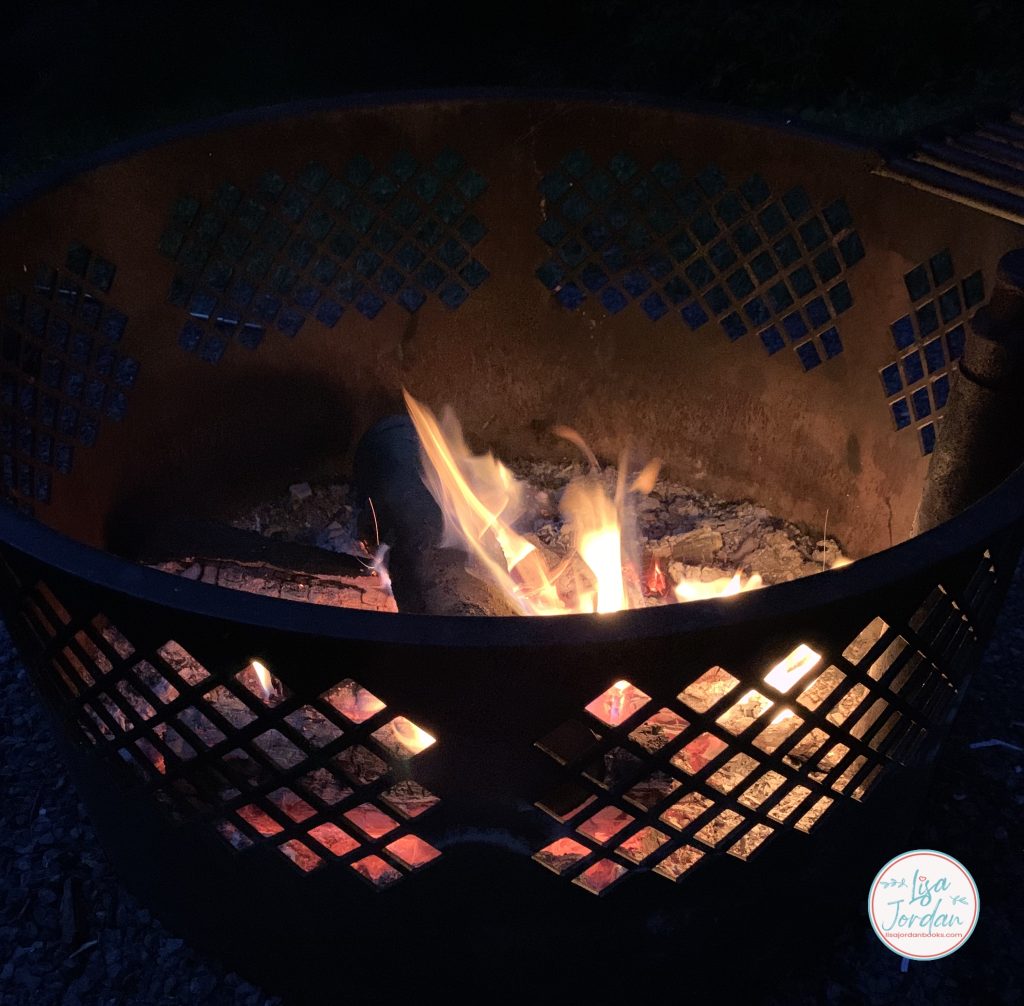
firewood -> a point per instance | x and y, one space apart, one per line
427 578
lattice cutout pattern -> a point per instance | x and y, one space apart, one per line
321 244
644 780
324 781
61 374
698 249
662 782
929 340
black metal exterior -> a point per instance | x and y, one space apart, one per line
215 801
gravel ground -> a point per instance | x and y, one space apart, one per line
70 936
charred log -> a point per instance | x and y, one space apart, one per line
427 578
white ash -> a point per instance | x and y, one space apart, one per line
322 515
694 535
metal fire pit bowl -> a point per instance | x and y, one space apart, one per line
194 320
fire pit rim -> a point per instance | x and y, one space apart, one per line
971 528
108 571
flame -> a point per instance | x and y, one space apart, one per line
264 677
655 581
723 586
413 738
481 501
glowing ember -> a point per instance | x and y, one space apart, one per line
481 502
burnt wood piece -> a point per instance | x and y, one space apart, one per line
979 442
363 591
426 577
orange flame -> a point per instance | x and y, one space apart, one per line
264 677
481 501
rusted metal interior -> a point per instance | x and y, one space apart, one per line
205 315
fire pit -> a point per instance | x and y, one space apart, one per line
300 778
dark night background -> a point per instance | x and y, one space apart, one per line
78 76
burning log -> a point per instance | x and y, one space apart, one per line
426 577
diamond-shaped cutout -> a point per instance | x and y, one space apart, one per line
649 792
864 640
793 668
179 660
699 752
370 820
807 746
561 855
313 726
201 727
720 827
151 754
281 751
711 686
849 773
353 701
732 773
361 765
402 738
259 820
93 652
409 799
789 803
603 826
814 815
680 861
762 788
887 658
617 704
257 679
80 669
378 872
412 852
230 706
785 723
177 744
599 877
333 839
291 804
642 844
235 838
748 844
658 730
301 855
845 707
685 811
324 785
147 675
739 717
866 783
821 688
